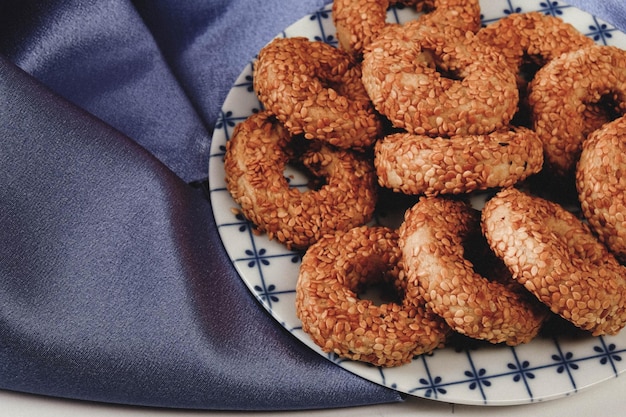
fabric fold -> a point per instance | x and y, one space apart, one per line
115 286
101 57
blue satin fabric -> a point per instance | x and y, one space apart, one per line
114 285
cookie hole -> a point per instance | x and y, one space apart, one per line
379 291
300 175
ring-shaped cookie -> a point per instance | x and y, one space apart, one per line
601 184
555 256
316 89
439 81
432 239
417 164
255 160
359 22
332 273
533 38
560 93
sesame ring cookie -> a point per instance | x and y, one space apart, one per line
359 22
601 184
557 258
432 239
561 92
439 81
417 164
315 89
533 37
255 160
333 271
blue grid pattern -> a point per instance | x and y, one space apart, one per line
483 375
521 371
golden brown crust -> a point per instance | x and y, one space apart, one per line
601 184
255 160
555 256
358 23
331 312
561 92
455 89
431 239
404 73
316 90
533 36
415 164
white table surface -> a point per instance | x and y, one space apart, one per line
607 399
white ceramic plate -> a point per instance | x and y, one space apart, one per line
546 368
